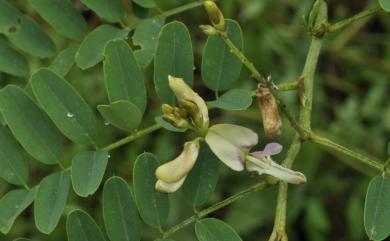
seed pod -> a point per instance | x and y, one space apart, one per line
215 15
269 112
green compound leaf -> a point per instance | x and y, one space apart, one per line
81 227
211 229
23 32
220 68
124 79
122 114
18 66
167 125
174 57
30 125
110 10
87 171
92 48
152 205
12 205
62 16
146 36
145 3
202 180
64 60
235 99
377 209
50 201
139 11
120 212
13 164
385 4
65 106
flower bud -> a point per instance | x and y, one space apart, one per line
208 30
166 109
269 112
191 101
176 121
215 15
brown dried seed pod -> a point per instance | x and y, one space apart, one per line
269 112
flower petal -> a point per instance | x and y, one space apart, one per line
175 170
239 136
162 186
228 153
267 166
184 92
269 150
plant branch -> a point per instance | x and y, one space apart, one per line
215 207
344 23
260 78
132 137
315 138
293 85
182 8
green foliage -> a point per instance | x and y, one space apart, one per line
65 106
30 125
18 66
12 205
122 114
13 165
87 171
377 209
146 37
212 229
152 205
124 79
235 99
81 227
110 10
220 68
174 56
385 4
120 212
50 200
105 48
203 178
91 49
62 16
64 61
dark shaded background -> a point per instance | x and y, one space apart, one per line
351 105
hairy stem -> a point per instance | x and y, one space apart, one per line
344 23
132 137
215 207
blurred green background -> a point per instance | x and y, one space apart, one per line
352 105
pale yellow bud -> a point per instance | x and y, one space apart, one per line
177 169
215 15
208 30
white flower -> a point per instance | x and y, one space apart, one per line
185 94
232 143
171 175
262 163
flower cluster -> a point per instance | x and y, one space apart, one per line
232 144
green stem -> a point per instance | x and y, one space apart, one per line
182 8
294 85
132 137
344 23
342 149
306 83
215 207
260 78
279 230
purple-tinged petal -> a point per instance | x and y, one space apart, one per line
269 150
